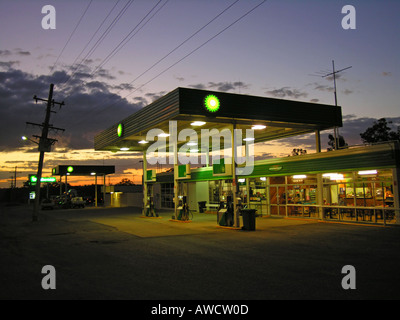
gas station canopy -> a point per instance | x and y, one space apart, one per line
278 118
77 170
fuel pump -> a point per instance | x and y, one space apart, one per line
226 212
150 211
183 209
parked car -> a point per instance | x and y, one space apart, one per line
77 202
47 204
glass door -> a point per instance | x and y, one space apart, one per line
277 200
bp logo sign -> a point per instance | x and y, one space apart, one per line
211 103
120 130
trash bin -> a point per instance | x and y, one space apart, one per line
202 206
249 219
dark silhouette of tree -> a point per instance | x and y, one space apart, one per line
298 152
125 182
341 143
380 132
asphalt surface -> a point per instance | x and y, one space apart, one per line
114 253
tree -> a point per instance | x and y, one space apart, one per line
125 182
341 142
380 132
298 152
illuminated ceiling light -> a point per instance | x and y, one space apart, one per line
164 135
248 139
194 150
198 123
143 142
211 103
328 174
364 172
337 177
124 149
334 176
241 180
299 176
258 127
93 173
192 143
263 179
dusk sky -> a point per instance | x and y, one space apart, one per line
109 58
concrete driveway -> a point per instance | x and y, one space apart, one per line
117 254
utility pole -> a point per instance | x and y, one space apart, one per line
45 144
14 178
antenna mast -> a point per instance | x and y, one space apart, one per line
334 72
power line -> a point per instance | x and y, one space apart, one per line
122 44
194 50
187 55
182 43
71 35
105 33
76 69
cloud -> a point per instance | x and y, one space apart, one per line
180 79
347 91
90 107
18 51
321 87
21 52
221 86
287 92
352 127
5 53
155 95
8 64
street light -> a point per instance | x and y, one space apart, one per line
25 138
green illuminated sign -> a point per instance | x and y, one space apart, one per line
211 103
33 179
120 130
70 169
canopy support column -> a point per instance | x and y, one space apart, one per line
234 179
396 194
145 203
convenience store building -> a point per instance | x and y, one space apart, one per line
356 184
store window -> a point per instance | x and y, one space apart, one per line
167 195
258 195
359 196
302 196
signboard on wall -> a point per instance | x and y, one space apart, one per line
220 168
151 176
184 171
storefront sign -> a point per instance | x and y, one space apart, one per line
211 103
120 130
33 179
275 168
